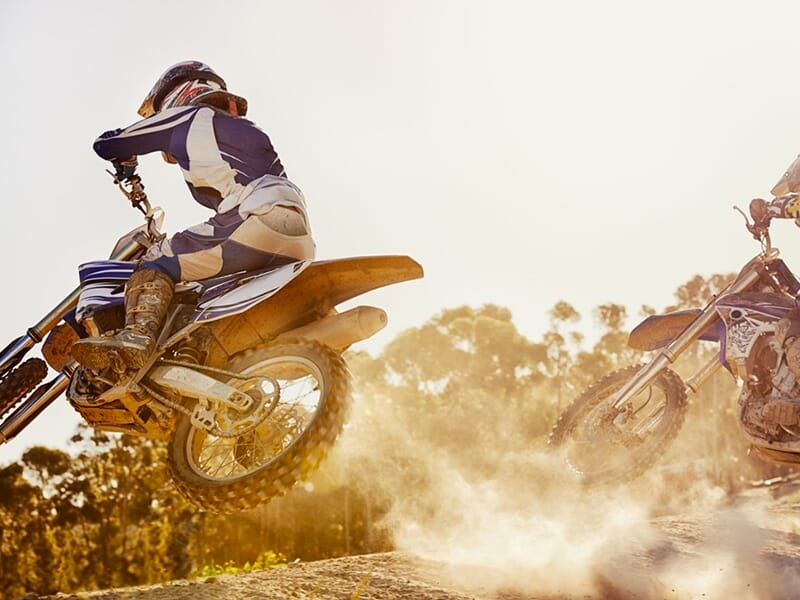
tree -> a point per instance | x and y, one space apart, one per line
464 394
560 347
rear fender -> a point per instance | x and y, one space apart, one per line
313 294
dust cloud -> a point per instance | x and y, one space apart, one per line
523 528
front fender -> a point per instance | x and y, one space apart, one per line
656 331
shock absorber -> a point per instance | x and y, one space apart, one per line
195 349
188 353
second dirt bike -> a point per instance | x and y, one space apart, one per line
621 425
247 385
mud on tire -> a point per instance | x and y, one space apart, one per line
569 433
21 381
266 476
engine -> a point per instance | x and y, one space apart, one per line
769 406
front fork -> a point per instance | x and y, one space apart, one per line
678 346
44 395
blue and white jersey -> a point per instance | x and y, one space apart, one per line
223 158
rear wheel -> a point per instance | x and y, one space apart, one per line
602 444
303 388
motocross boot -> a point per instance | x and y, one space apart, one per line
147 297
787 332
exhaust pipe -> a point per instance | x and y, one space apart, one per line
344 329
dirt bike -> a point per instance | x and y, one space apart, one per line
619 426
247 385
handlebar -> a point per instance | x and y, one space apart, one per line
762 216
135 193
759 228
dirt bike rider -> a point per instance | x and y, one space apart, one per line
230 167
786 205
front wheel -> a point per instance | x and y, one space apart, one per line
602 444
20 381
303 419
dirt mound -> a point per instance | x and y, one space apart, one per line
749 548
391 576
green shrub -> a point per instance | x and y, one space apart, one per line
265 560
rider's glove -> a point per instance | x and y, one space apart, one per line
761 215
109 134
759 211
125 169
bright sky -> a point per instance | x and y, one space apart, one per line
524 152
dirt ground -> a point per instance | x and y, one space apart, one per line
384 576
742 558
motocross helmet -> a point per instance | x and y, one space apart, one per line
190 82
790 182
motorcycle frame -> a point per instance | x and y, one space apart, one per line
341 280
750 274
46 393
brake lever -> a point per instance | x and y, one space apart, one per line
760 234
736 208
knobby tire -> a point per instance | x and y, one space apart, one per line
573 417
303 455
19 382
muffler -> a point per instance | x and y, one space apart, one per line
343 329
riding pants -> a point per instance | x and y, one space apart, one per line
231 242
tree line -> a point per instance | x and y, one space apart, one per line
465 388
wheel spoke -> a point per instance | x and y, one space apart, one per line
301 393
602 443
300 384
